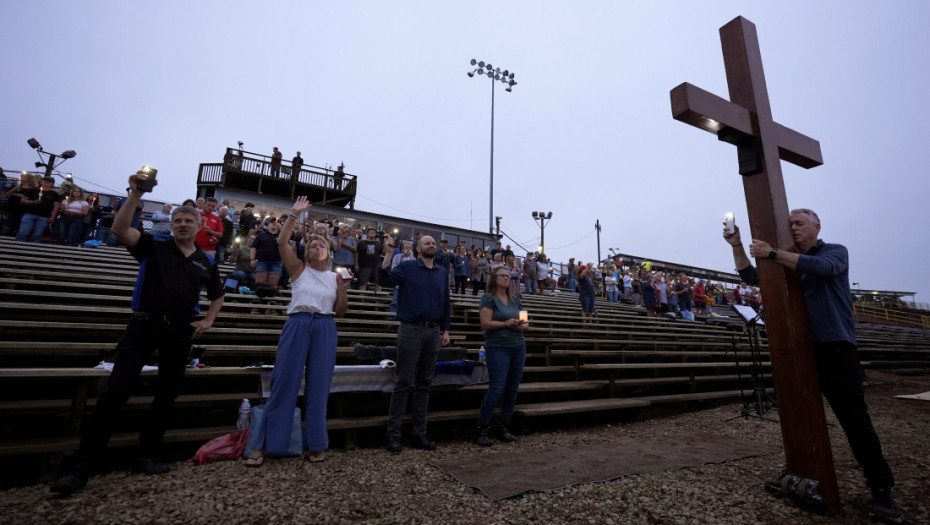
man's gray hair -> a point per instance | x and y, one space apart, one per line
810 213
189 210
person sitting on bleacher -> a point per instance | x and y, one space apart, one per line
241 256
306 350
165 304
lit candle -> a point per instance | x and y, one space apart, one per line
524 316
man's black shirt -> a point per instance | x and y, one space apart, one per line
169 282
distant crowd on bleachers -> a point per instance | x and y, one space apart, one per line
71 216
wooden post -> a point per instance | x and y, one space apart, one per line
746 121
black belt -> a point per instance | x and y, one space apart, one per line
169 318
425 324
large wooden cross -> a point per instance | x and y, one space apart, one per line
746 121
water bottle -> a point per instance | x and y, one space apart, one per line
481 357
244 409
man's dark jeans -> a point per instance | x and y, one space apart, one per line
417 350
172 338
840 376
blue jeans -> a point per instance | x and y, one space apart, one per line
571 283
241 276
69 229
531 286
612 295
417 350
505 371
31 224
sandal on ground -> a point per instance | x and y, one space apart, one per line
314 456
255 460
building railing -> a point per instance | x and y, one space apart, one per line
892 315
258 164
254 172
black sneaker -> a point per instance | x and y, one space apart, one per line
421 442
882 508
73 481
393 445
150 467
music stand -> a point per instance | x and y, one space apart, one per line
758 403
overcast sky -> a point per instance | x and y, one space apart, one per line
586 134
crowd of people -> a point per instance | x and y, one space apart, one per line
423 274
33 208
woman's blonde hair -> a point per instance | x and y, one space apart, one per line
314 237
491 286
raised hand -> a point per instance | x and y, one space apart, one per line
301 205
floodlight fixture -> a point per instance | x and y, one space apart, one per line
49 162
541 217
496 75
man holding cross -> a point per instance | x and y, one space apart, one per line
824 272
746 121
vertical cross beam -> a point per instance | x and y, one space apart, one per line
746 121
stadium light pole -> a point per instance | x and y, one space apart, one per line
49 163
541 217
504 77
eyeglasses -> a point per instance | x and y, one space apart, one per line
504 275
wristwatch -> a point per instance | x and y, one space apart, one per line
773 254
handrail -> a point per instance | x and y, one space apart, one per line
892 315
314 175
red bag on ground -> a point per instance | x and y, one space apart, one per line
230 446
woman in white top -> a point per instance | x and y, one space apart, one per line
306 349
71 221
544 274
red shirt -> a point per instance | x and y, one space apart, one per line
204 240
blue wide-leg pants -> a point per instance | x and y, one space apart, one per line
306 350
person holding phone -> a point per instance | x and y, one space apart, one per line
307 348
824 270
425 316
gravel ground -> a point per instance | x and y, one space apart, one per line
372 486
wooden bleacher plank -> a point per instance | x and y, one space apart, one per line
585 405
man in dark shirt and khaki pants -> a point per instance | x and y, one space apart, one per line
824 272
425 317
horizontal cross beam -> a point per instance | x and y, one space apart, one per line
704 110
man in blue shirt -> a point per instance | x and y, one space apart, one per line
824 272
423 310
